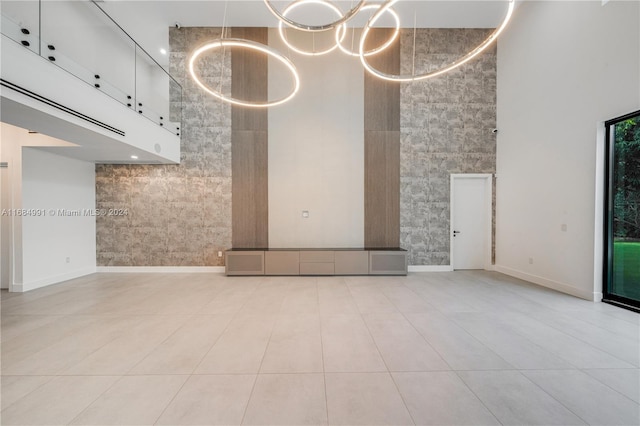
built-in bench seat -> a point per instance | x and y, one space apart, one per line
312 261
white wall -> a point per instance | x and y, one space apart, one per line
563 68
56 247
26 273
316 153
5 221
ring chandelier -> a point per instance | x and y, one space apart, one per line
378 49
326 3
251 45
340 29
294 24
413 77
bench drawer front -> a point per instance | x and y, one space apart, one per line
316 268
323 256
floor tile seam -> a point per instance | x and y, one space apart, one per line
361 317
419 296
605 350
494 415
324 372
65 366
255 380
610 314
186 321
586 371
245 301
35 297
541 348
388 372
172 399
246 406
388 300
608 331
474 339
520 295
404 403
569 335
97 397
556 399
586 323
435 350
63 303
50 379
150 350
60 317
216 340
122 295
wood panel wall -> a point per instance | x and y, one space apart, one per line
249 136
382 146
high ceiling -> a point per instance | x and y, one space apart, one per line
147 20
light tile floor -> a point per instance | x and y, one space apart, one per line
456 348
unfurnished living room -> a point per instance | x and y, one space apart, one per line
320 212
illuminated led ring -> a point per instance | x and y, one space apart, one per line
407 78
252 45
304 52
293 24
377 49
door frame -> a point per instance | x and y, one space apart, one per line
488 186
607 214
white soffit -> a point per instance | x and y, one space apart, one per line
147 20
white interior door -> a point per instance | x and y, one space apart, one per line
471 221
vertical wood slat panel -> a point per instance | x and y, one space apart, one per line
381 97
382 147
249 189
249 80
382 189
249 138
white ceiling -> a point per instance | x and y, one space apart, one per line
147 20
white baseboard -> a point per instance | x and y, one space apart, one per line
554 285
33 285
430 268
162 269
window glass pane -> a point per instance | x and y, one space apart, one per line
625 276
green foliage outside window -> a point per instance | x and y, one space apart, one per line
626 225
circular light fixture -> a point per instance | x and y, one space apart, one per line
163 51
377 49
408 78
251 45
134 157
304 52
343 19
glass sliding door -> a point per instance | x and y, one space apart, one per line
622 214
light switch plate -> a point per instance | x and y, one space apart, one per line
305 214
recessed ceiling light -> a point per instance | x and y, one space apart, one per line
163 51
135 157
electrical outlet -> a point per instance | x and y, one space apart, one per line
563 227
305 214
68 260
531 261
219 253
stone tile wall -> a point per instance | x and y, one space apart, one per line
177 215
181 215
446 125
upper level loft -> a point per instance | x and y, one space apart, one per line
71 72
